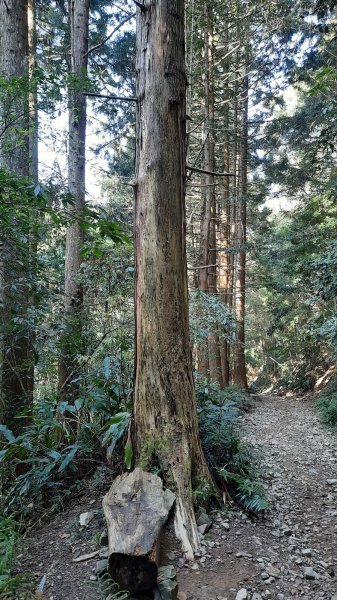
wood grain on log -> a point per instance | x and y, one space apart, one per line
136 508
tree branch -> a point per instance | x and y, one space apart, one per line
110 35
141 6
196 170
130 99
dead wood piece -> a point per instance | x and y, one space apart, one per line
136 508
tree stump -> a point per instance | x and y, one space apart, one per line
136 508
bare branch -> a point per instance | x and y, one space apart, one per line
119 26
196 170
107 97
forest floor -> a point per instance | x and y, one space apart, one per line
290 553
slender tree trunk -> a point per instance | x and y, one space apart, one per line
239 372
71 343
33 164
165 418
215 372
16 384
32 98
207 181
224 223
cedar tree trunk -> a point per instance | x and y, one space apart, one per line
71 343
165 418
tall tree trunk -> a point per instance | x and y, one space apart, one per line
71 343
215 372
32 98
16 383
33 162
207 182
165 418
239 371
224 223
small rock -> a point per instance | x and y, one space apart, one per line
242 594
256 596
306 552
309 573
204 519
181 596
103 539
104 553
203 529
273 571
166 572
101 566
171 556
332 481
86 517
167 583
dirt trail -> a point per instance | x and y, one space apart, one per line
293 552
271 558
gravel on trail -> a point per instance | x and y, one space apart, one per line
292 552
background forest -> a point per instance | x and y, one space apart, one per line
260 230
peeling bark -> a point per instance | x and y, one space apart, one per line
165 418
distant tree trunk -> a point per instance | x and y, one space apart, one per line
71 342
33 160
207 181
165 418
239 370
215 372
224 223
16 381
32 98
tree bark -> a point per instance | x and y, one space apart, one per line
215 373
165 418
224 223
239 371
71 343
16 381
203 364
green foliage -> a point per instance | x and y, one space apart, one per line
109 590
250 494
228 458
8 539
50 456
209 314
11 586
326 403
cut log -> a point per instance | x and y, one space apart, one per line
136 508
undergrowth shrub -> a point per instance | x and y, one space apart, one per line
12 587
231 461
50 460
326 403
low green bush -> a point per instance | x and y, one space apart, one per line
232 462
326 403
327 408
12 586
60 445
